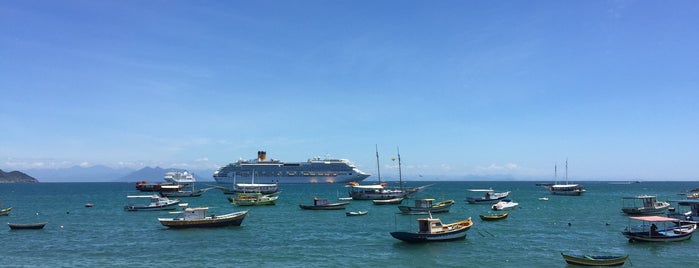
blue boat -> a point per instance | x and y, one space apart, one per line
433 230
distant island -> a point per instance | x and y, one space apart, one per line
16 177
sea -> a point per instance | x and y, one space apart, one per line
534 235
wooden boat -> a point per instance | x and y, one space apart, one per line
393 201
565 189
424 206
643 205
356 213
323 204
595 260
432 230
505 205
493 217
17 226
252 187
196 218
156 203
490 197
381 191
254 199
5 211
672 230
184 193
145 186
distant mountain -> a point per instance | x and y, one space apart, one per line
156 174
96 173
16 177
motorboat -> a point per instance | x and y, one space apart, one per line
356 213
490 196
156 203
671 229
196 218
426 205
323 204
643 205
392 201
254 199
432 229
504 205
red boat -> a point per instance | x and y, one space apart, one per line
144 186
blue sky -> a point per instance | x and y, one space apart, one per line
464 88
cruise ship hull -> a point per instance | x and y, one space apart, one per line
314 170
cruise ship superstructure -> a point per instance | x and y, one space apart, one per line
315 170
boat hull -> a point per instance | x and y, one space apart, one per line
171 206
232 219
331 206
669 235
20 226
437 208
394 201
587 260
413 237
493 217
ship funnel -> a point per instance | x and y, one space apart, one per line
261 155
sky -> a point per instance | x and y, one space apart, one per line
461 88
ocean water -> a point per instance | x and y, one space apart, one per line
533 235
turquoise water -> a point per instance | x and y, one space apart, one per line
284 235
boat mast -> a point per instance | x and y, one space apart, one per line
400 177
566 170
378 169
555 173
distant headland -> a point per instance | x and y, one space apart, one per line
16 177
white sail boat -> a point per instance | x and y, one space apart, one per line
567 188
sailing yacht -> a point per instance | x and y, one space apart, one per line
567 188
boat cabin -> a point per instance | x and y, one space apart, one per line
430 225
195 213
320 201
424 203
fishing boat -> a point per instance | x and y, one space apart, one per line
432 230
17 226
425 206
196 218
145 186
493 217
672 230
490 196
254 199
356 213
5 211
567 188
156 203
643 205
392 201
687 215
381 191
323 204
184 193
504 205
252 187
595 260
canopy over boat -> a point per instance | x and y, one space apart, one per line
653 218
372 186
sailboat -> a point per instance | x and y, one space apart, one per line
252 187
377 191
567 188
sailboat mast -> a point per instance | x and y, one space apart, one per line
378 169
555 173
400 177
566 170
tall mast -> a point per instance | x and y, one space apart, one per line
378 169
555 173
566 170
400 177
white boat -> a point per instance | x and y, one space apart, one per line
156 203
196 218
179 177
643 205
543 199
426 206
567 188
490 196
315 170
252 187
381 191
671 230
504 205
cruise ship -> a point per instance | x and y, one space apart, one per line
315 170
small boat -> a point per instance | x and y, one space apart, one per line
323 204
145 186
672 230
196 218
184 193
89 205
490 197
543 199
254 199
17 226
5 211
344 198
493 217
156 203
595 260
504 205
392 201
643 205
424 206
432 230
356 213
